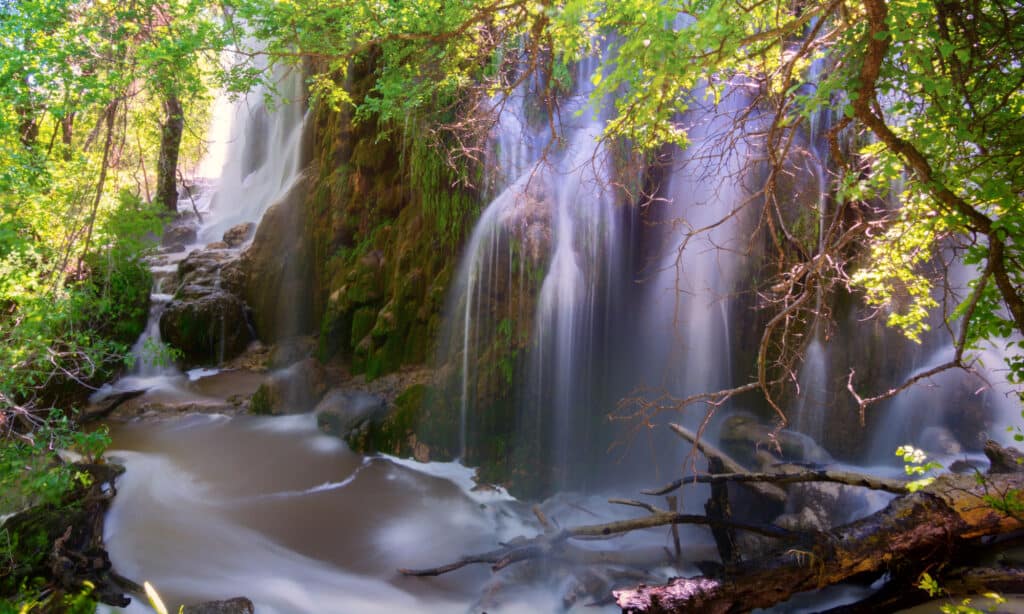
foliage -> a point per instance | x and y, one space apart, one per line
930 585
916 463
82 87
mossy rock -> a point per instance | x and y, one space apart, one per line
396 432
260 402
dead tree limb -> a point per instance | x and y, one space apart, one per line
553 544
849 478
768 491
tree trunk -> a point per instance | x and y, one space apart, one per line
170 144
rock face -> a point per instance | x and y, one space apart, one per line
388 218
205 320
277 269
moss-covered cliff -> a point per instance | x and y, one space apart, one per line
386 218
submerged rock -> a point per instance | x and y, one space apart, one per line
350 414
293 390
291 351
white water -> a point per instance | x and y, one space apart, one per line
212 507
264 155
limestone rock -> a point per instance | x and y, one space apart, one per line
178 234
743 436
278 269
237 235
207 324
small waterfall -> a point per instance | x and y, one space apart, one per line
952 412
261 161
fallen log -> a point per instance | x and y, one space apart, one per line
553 544
915 530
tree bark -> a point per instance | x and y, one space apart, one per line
170 146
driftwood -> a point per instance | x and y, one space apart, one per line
768 491
914 531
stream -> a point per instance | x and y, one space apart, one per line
212 507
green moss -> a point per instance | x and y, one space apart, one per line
260 403
362 322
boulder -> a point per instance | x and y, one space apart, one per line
178 234
349 414
293 390
743 436
208 325
237 235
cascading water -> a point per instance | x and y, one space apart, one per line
541 248
264 155
541 344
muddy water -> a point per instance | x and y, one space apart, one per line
213 507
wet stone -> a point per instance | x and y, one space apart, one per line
341 412
237 235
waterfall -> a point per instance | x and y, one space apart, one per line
261 160
264 154
700 240
540 251
813 401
